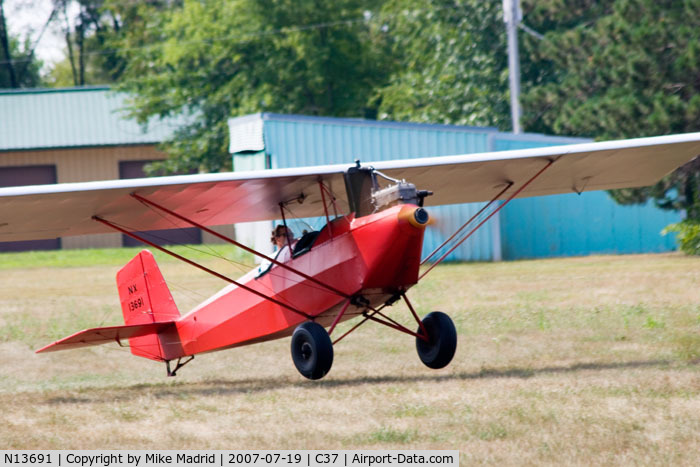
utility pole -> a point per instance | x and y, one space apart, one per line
512 16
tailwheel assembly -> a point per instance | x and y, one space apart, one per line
439 348
312 350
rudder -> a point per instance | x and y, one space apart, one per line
145 298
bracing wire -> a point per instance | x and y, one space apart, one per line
218 255
152 236
212 252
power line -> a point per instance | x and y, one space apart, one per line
366 17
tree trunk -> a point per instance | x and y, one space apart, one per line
80 42
5 42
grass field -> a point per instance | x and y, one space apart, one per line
585 360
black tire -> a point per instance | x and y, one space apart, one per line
439 350
312 350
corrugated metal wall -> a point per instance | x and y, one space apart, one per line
576 225
72 117
509 141
573 225
313 141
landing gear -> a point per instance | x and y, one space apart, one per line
440 347
180 363
312 350
436 337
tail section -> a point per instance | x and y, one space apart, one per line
146 299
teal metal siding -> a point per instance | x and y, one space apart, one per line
573 225
316 141
479 247
72 117
508 142
578 225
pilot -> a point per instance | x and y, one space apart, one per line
281 237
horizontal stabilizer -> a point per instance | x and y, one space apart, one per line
97 336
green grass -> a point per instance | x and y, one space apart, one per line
23 326
390 435
566 361
116 256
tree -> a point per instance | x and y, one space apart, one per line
632 71
451 62
18 65
92 30
452 57
210 60
629 70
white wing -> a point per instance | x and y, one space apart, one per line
50 211
579 167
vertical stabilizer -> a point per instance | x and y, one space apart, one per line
145 298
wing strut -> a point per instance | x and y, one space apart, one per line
493 200
240 245
325 207
500 206
203 268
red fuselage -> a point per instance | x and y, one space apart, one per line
374 256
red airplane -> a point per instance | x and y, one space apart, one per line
358 264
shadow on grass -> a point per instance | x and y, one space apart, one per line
218 387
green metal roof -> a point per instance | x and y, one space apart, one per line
71 117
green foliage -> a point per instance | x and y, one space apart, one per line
212 61
451 62
630 71
25 65
688 235
619 69
93 30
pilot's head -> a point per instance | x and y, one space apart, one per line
280 236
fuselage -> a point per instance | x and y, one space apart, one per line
374 256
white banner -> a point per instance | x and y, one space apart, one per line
354 458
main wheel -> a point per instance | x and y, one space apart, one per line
438 351
312 350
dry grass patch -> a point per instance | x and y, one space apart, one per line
582 361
